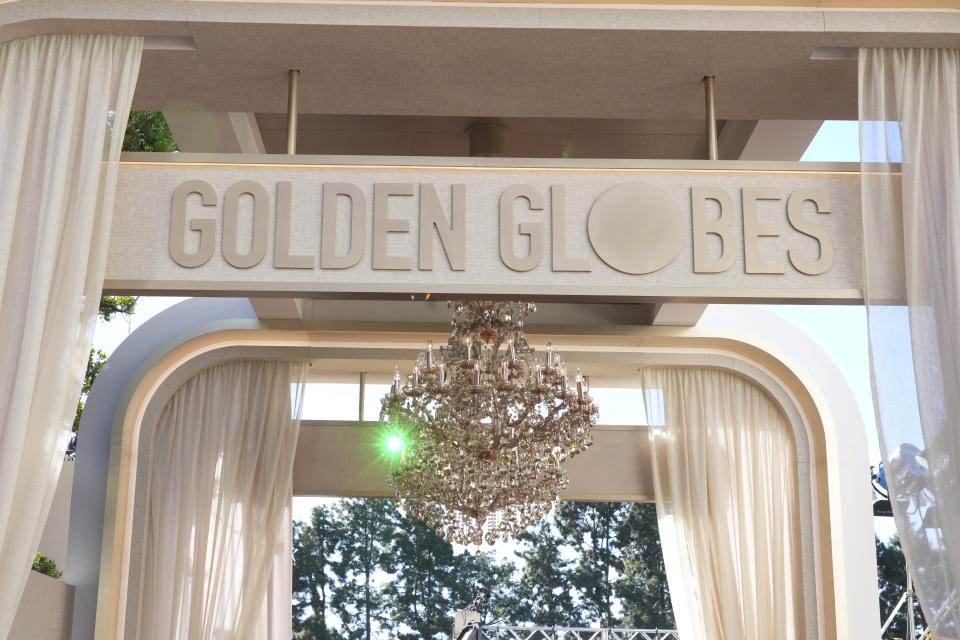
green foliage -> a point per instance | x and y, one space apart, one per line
547 592
148 131
364 571
364 547
46 566
94 365
112 305
313 549
892 582
642 587
496 579
420 594
591 529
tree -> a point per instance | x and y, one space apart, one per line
545 582
482 571
367 529
313 560
425 574
590 528
148 131
94 364
892 582
109 307
642 587
112 305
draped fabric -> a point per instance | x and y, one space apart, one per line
218 505
725 480
64 102
910 110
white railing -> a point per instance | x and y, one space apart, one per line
503 632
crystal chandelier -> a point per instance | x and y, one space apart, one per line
485 425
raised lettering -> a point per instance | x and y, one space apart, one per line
753 230
722 227
358 225
508 225
453 235
811 228
383 224
282 258
206 227
231 211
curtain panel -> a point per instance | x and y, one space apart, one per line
64 101
725 480
910 113
216 561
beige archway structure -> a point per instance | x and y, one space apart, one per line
612 354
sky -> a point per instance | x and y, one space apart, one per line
839 330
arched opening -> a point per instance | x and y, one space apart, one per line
617 355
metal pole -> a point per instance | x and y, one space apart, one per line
893 614
711 105
293 108
363 384
911 631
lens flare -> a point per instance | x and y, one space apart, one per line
394 443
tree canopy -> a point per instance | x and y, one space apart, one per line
892 582
148 131
364 571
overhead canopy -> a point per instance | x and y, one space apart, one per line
633 61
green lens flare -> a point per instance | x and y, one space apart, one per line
394 443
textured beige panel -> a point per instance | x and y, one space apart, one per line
481 59
45 610
347 460
509 71
139 252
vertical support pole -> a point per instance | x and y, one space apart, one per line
363 385
293 109
911 631
711 107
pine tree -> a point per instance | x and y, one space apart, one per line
368 527
424 580
475 572
892 582
590 528
545 582
313 557
642 586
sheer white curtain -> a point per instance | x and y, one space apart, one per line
218 505
724 469
64 102
910 109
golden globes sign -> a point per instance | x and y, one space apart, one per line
693 232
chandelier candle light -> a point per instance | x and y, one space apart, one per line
485 425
